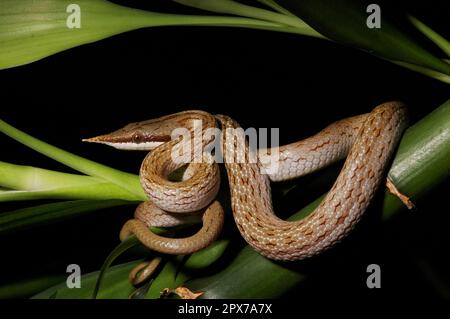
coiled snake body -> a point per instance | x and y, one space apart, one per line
367 140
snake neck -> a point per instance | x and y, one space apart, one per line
200 181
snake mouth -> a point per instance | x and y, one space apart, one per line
111 139
127 143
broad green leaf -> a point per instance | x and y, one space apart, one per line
236 8
115 285
207 256
346 22
25 288
169 277
31 30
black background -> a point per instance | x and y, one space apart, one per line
262 79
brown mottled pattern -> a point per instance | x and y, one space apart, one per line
370 141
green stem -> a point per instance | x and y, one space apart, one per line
423 159
425 71
27 182
121 248
439 40
93 191
127 181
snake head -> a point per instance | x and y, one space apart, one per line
145 135
148 135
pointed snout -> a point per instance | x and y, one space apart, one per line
98 139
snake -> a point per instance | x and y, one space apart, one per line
367 142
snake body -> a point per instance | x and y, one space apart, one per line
367 140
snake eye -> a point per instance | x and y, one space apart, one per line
137 138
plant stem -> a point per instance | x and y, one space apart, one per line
425 71
127 181
439 40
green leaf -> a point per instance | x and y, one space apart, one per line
178 270
31 30
44 214
169 277
119 250
30 178
172 275
28 183
423 159
345 22
124 246
128 182
272 4
115 285
236 8
207 256
431 73
25 288
439 40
